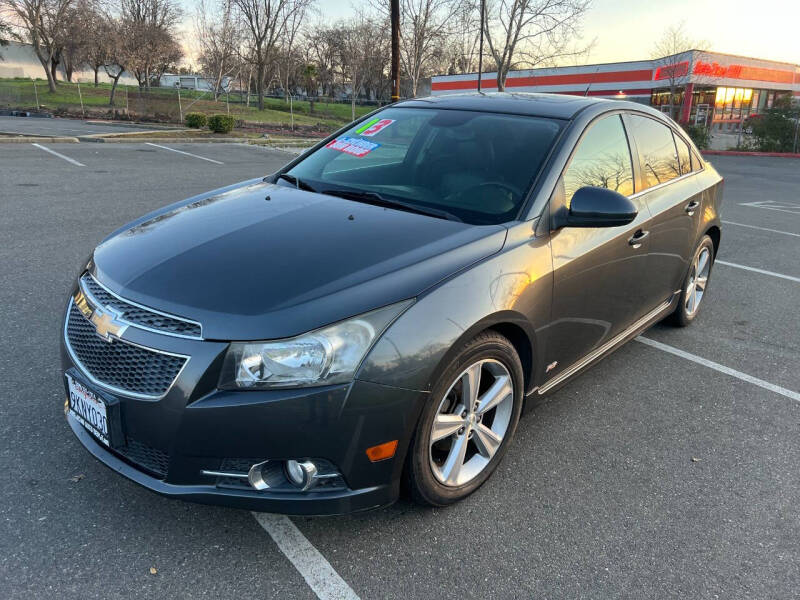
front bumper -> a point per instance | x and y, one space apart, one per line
196 427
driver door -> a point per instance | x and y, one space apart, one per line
597 272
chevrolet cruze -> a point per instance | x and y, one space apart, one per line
374 315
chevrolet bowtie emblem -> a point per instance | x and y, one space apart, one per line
106 323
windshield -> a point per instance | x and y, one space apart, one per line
474 165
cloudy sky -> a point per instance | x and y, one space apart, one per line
625 29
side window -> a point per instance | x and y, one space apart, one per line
683 155
656 150
603 159
697 164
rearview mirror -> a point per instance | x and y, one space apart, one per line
599 207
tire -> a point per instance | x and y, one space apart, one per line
432 474
688 308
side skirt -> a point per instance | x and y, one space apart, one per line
600 352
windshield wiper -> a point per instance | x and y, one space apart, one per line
298 183
376 199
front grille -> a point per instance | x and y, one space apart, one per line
120 365
148 458
138 315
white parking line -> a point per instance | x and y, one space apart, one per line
721 368
788 207
54 153
761 228
318 572
211 160
755 270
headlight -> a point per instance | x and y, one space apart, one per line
325 356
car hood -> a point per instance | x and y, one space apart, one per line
262 261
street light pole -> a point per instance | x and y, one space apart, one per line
395 17
480 46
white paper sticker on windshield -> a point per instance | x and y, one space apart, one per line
353 146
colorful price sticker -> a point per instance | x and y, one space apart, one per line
374 126
353 146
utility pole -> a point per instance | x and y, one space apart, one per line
480 46
395 50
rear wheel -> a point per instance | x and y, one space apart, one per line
695 285
471 417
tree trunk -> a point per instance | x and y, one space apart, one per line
96 68
51 83
53 71
260 84
113 88
502 73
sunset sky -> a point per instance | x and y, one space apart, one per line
626 29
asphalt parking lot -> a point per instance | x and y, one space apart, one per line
62 127
653 475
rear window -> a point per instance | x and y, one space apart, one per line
684 154
477 166
657 152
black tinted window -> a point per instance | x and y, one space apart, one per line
656 150
602 159
477 166
684 154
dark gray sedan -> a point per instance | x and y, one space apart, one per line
376 314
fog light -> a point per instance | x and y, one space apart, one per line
301 474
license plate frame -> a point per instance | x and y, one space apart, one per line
79 390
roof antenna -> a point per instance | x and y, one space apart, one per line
586 93
480 48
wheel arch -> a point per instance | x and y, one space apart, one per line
511 325
715 233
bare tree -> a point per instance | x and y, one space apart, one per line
356 43
461 47
527 33
40 23
150 27
218 37
265 22
119 52
672 57
99 39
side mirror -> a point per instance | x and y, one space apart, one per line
599 207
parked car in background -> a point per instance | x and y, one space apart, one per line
380 309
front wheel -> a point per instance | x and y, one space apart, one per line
466 427
695 283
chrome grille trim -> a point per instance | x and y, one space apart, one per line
123 302
111 388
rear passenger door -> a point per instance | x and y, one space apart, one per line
673 196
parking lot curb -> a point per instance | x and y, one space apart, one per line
30 139
743 153
165 140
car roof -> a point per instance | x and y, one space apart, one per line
557 106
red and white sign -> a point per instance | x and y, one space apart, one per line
373 129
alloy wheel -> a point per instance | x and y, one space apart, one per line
697 281
471 422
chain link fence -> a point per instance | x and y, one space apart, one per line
169 105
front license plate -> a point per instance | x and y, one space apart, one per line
88 409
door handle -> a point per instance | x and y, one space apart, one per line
691 207
637 238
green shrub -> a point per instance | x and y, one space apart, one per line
196 120
221 123
774 130
699 135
